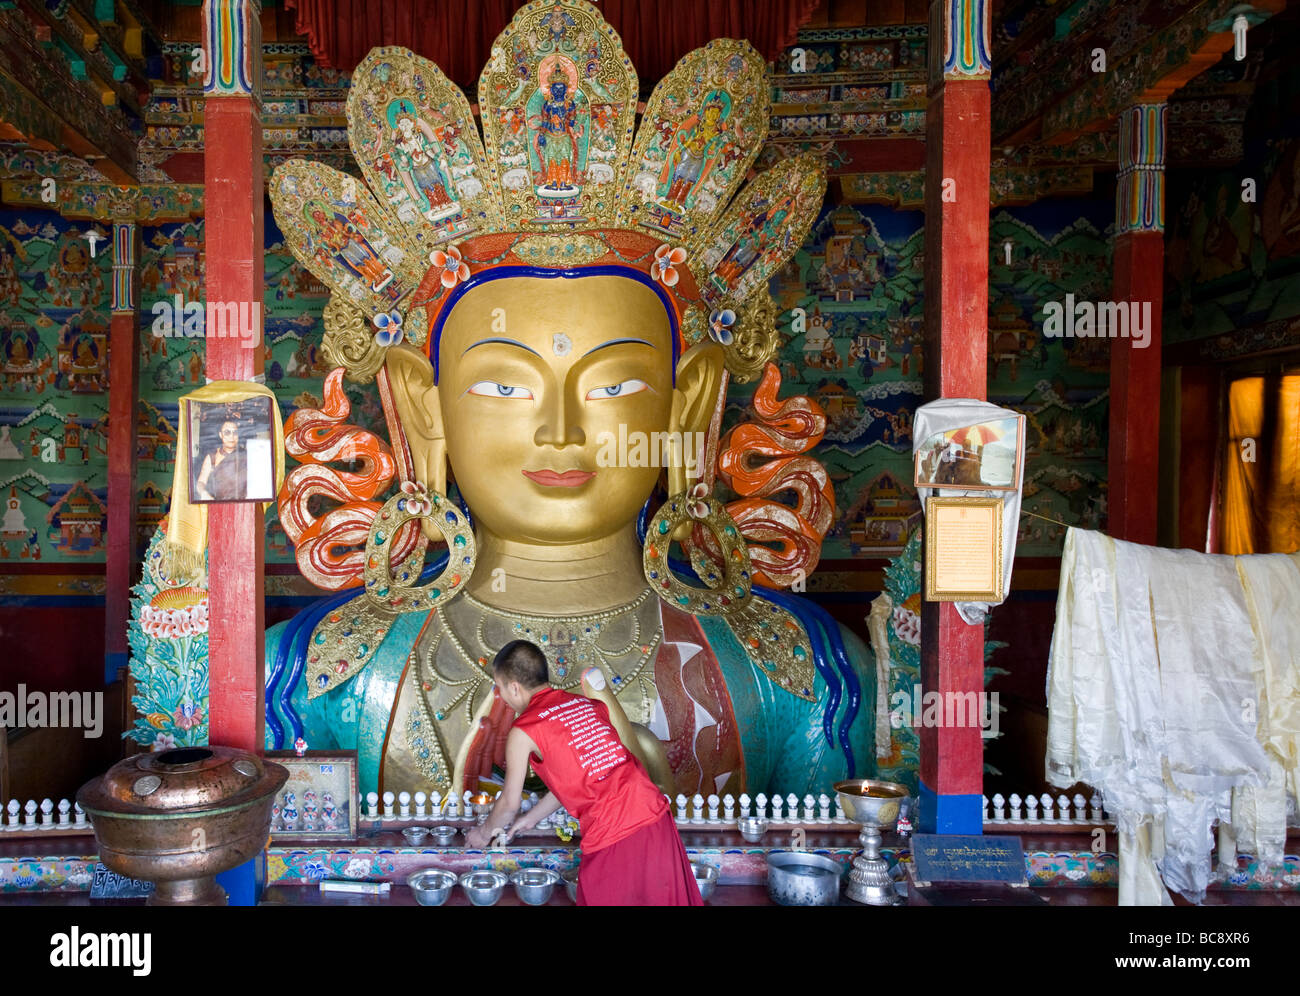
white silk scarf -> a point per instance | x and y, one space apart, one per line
1161 662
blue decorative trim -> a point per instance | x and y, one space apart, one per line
643 521
293 647
464 508
824 639
496 272
112 662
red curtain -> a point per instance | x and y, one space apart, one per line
457 34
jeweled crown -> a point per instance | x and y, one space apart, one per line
560 179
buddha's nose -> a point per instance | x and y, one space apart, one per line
559 428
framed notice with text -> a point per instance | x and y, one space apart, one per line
963 549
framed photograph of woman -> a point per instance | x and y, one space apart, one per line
985 456
232 455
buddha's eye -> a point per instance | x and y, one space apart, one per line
627 387
491 389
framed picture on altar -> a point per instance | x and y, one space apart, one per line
985 456
963 549
231 454
319 801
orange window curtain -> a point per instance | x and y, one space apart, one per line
1261 496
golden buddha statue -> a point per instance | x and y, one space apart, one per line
541 359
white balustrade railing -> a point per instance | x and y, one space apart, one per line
44 815
691 812
1043 810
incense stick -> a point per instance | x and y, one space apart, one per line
1048 519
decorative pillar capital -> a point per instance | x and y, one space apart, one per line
1140 190
967 51
232 48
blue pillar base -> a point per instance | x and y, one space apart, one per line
961 814
111 664
244 883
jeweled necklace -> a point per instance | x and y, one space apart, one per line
573 643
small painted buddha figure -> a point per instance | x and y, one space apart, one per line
559 378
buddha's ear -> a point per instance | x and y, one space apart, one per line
699 378
410 375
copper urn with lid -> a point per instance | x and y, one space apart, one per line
179 817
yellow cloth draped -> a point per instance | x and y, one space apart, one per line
187 521
1261 467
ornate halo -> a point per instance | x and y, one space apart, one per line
722 595
398 589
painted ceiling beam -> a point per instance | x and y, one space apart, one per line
120 39
1008 185
152 204
43 103
69 33
1060 98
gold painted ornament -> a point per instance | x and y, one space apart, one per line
398 589
778 645
723 595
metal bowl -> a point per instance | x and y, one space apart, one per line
870 802
801 878
534 885
415 835
484 886
706 877
431 886
570 876
752 828
442 836
149 810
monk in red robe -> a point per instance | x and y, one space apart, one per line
631 852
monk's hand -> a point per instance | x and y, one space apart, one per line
478 837
524 821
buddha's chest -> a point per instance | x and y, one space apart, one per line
448 727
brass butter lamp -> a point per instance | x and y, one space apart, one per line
874 804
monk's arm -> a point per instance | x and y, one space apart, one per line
518 746
204 473
544 808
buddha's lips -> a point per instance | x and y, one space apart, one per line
552 479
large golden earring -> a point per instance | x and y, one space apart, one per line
724 594
398 589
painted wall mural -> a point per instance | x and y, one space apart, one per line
852 328
856 347
1060 253
1232 251
54 280
172 350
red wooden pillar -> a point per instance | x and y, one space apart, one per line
123 389
233 250
956 347
1139 259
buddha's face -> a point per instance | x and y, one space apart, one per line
533 373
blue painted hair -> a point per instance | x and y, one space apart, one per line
602 270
